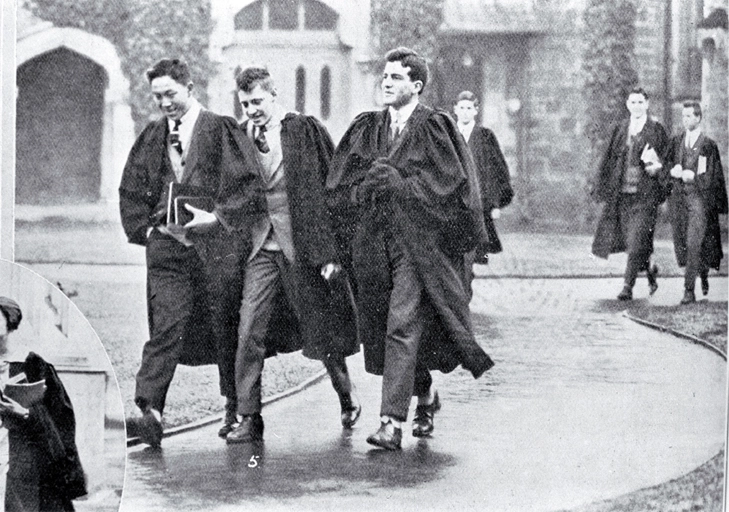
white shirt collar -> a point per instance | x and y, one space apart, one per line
693 135
636 124
466 129
402 115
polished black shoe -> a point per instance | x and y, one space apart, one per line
652 279
351 412
423 420
147 427
705 285
388 436
230 419
626 294
248 430
688 297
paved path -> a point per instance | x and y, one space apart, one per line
582 405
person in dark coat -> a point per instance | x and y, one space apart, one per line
405 200
698 196
193 272
294 265
44 470
632 182
493 172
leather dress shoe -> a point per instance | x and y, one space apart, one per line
423 420
350 415
705 285
230 419
388 436
652 279
626 293
688 297
147 427
248 430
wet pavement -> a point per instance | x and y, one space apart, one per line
583 404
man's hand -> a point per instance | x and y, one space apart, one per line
330 271
9 407
386 178
688 176
202 221
652 168
677 171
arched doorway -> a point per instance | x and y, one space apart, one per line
60 114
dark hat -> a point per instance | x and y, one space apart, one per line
12 312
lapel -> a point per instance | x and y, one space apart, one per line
415 119
193 152
698 142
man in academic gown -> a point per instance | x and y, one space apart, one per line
493 173
632 182
193 272
406 206
697 198
294 270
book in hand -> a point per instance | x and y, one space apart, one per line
183 215
649 155
179 195
25 393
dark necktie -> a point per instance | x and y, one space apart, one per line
260 140
175 137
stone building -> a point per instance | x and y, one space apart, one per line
521 57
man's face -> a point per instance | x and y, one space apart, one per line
397 88
689 119
172 97
637 105
258 104
465 111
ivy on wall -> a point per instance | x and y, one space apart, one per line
143 31
608 65
411 23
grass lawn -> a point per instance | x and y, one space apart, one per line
702 489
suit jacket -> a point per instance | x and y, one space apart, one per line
652 190
436 214
711 187
326 322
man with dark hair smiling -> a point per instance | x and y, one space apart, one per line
405 200
193 271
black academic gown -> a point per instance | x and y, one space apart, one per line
437 217
44 470
652 190
494 179
326 322
711 186
220 163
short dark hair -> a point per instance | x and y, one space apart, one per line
176 69
694 105
247 79
467 96
638 90
410 59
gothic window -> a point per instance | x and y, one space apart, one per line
286 15
325 92
318 16
283 14
301 90
250 17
